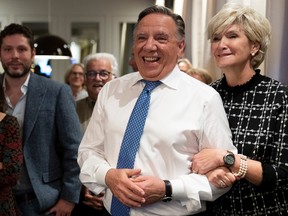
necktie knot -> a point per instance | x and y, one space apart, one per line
151 85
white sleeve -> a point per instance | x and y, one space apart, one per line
216 134
91 153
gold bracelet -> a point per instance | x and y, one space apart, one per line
243 167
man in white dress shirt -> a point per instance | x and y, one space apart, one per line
184 117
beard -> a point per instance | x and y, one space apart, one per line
14 74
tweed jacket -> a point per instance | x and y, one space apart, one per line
51 136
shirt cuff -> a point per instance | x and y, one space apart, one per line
191 186
178 189
100 174
190 190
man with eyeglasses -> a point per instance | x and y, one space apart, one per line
100 68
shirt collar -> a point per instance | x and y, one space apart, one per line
171 80
24 87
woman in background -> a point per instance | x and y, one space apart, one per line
257 110
184 64
200 74
10 158
74 77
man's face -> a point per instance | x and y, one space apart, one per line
16 55
156 47
94 82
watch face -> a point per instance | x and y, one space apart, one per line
229 159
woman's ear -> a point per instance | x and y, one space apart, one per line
255 48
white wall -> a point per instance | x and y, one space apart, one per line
110 13
61 13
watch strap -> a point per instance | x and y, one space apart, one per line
168 191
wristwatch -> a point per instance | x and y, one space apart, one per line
168 193
229 159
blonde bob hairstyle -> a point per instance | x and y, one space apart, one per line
69 71
257 28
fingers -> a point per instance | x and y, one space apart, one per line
133 172
206 160
222 184
226 180
221 177
94 204
94 201
130 199
120 183
231 178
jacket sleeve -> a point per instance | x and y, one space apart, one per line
69 137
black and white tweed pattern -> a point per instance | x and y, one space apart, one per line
258 116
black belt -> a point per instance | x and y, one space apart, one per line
20 198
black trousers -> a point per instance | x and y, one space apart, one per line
84 210
105 212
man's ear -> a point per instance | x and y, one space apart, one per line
182 47
33 53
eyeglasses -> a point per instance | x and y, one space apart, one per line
102 73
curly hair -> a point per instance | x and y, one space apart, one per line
15 28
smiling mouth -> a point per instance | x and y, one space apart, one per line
151 59
15 64
224 54
97 85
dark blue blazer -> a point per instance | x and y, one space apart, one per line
51 137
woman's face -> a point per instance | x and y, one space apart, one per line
232 48
76 77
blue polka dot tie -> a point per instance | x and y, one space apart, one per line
131 140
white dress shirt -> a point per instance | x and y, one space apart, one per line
185 116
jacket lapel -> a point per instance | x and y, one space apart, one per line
35 96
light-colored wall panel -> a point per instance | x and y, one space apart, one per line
60 15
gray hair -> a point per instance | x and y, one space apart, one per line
156 9
102 56
257 28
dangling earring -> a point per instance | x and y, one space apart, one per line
253 54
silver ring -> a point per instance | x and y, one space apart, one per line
222 184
